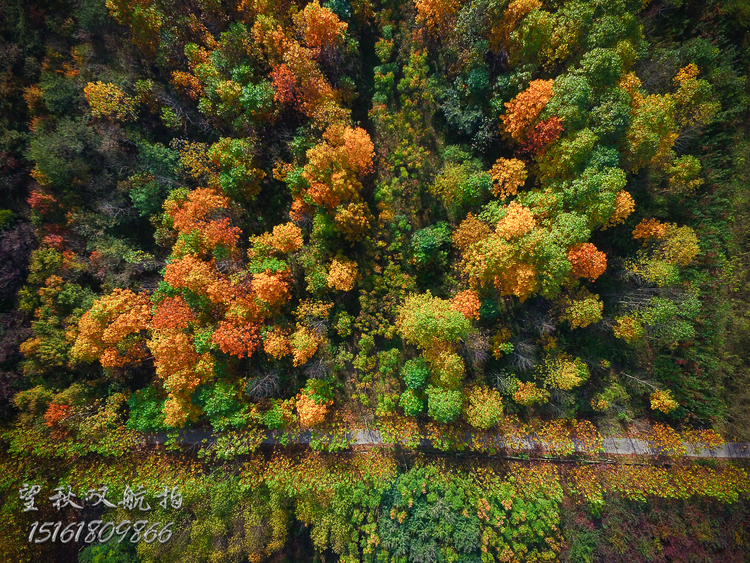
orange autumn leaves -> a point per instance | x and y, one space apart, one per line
319 27
235 338
587 261
204 309
524 254
195 215
294 52
467 303
294 46
509 258
177 363
335 166
197 276
526 107
106 331
172 312
333 180
113 332
508 174
181 370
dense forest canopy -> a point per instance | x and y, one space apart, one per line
435 218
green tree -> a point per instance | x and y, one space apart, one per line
444 405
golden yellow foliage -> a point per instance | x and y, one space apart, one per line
352 220
528 394
178 409
565 374
310 413
304 345
694 103
342 274
519 280
499 342
518 221
310 310
447 367
485 408
680 245
470 230
508 174
194 159
181 369
276 343
631 84
629 329
663 401
599 403
686 73
436 15
584 309
356 148
286 238
108 101
624 206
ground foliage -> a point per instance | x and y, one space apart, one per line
374 506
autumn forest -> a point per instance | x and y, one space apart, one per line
238 236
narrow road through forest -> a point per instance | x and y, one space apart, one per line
372 438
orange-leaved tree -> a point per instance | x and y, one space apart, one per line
523 110
437 15
111 331
196 216
508 174
587 261
319 28
336 165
